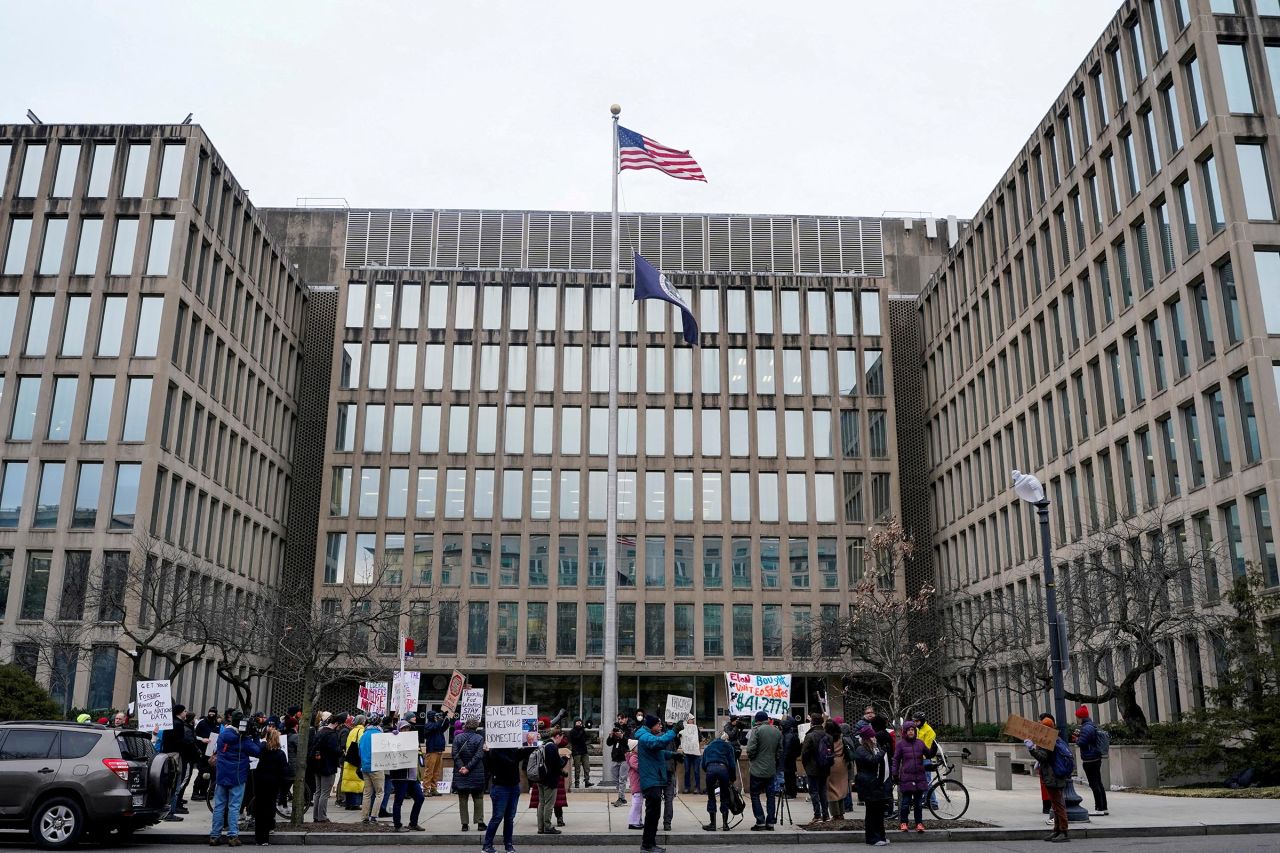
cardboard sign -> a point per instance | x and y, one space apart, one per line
457 681
678 708
1024 729
510 726
404 692
393 751
751 693
155 706
689 744
373 697
445 785
472 704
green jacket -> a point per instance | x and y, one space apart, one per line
762 749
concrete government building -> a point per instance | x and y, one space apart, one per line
200 393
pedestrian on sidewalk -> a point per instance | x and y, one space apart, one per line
233 751
373 779
669 793
617 744
206 733
635 818
721 769
763 745
270 777
872 781
654 742
1046 805
838 778
1056 767
502 766
326 758
172 742
434 744
691 754
1087 739
817 755
351 786
406 785
579 745
469 773
911 774
546 795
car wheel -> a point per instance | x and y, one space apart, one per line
57 823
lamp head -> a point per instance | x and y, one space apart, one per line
1028 487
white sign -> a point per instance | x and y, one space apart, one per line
751 693
404 692
445 785
689 744
510 726
678 708
155 706
472 703
393 751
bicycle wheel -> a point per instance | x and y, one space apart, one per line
208 797
948 799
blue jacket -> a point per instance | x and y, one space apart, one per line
653 764
233 754
719 751
433 732
1087 740
366 748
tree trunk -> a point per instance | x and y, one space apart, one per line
967 705
304 736
1131 711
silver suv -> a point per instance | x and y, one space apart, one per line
59 779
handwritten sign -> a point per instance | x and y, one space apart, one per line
1024 729
678 708
155 705
751 693
510 726
373 697
472 703
689 743
393 751
404 692
457 681
445 783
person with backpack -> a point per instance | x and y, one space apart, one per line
817 754
720 766
1094 743
1056 767
231 765
326 758
546 767
872 781
911 772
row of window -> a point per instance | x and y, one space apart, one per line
682 500
664 562
44 317
53 482
546 430
386 306
97 403
561 368
84 255
93 170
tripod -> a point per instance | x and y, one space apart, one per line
784 808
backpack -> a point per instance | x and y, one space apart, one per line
1103 742
1064 763
826 752
536 767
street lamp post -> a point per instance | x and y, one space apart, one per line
1029 489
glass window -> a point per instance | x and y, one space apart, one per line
84 514
1254 180
135 172
878 433
355 305
797 498
38 328
410 305
171 169
137 409
24 408
125 243
873 370
824 497
1261 508
99 416
147 342
708 311
125 501
1235 78
340 491
406 366
55 238
870 312
465 306
100 174
743 632
844 317
766 433
459 434
49 496
160 246
68 161
517 368
794 422
429 440
540 495
455 497
767 483
63 408
374 421
425 504
818 372
739 496
1136 51
491 309
370 487
32 166
566 629
546 309
570 495
11 488
15 259
736 308
482 496
87 251
1248 418
461 367
762 304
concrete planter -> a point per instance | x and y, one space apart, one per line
1126 765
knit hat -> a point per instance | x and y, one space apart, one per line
83 718
360 719
102 721
761 716
650 721
1082 712
866 732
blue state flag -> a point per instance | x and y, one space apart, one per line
651 284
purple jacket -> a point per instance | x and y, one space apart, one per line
908 764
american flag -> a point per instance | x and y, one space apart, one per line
641 152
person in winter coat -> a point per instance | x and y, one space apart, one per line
579 746
351 785
502 767
871 781
1056 786
617 743
469 772
911 774
549 793
838 777
206 732
327 755
1046 719
816 772
233 751
406 784
720 766
790 754
172 742
653 743
272 776
763 748
433 742
373 779
635 818
1086 738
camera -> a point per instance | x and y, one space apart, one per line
247 728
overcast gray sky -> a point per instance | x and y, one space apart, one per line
790 107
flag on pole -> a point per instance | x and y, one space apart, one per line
651 284
641 152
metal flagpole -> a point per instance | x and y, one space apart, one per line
609 684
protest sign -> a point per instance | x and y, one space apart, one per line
1024 729
155 706
457 681
689 744
472 703
393 751
510 726
678 708
751 693
404 692
445 784
373 697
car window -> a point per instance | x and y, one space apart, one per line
135 746
77 744
26 744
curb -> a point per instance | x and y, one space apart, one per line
387 839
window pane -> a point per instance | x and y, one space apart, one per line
15 258
1253 178
99 416
1235 78
383 300
126 241
871 312
84 514
137 409
24 408
63 408
68 161
100 174
125 502
161 244
171 169
90 241
148 339
135 172
32 166
38 327
11 489
55 238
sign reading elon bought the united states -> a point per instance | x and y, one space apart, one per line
751 693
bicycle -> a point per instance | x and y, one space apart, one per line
948 799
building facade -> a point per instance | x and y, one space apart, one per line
1108 323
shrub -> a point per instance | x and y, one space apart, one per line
22 699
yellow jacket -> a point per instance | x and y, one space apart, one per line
351 781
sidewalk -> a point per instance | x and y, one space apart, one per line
592 819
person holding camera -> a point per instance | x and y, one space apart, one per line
617 743
236 745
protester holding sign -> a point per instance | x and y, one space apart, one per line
652 766
434 743
373 779
405 780
503 769
751 693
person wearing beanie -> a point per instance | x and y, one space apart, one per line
873 782
549 794
1086 737
763 746
652 745
84 718
351 785
1054 785
911 774
469 776
816 772
720 767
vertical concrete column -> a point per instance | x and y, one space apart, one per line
1105 770
1150 770
1004 771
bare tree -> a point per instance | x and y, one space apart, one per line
977 637
238 634
54 646
885 648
